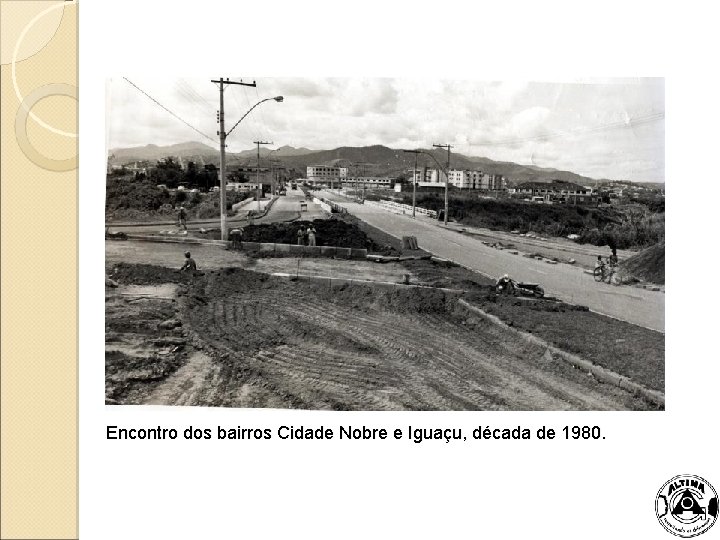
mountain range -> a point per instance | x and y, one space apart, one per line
367 160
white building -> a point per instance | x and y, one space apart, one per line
425 177
367 182
241 186
321 174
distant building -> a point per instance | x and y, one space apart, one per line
459 178
425 177
242 187
557 191
321 174
383 182
473 179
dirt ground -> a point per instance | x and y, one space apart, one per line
629 350
238 338
648 265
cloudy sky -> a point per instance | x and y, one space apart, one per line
603 128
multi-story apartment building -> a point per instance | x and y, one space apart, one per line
462 179
322 174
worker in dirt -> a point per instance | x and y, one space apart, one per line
182 218
311 235
503 284
190 264
302 233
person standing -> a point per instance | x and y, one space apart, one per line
301 235
311 235
613 259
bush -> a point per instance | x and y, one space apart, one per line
621 227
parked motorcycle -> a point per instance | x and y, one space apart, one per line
519 288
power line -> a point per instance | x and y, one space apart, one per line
168 110
184 93
255 134
197 95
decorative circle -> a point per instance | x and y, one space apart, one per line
29 25
686 505
57 89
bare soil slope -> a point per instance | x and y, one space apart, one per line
258 341
648 265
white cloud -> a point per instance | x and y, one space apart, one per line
588 128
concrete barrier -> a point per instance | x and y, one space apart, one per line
293 249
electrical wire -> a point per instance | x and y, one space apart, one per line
169 111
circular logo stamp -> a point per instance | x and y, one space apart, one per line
686 505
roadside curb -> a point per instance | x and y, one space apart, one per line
603 374
338 281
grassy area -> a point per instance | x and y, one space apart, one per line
626 226
130 198
624 348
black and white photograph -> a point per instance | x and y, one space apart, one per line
375 244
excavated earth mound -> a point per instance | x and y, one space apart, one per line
237 338
648 265
330 232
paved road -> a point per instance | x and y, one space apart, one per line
631 304
288 206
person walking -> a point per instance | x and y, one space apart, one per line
236 236
182 218
311 235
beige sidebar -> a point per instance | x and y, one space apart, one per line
39 198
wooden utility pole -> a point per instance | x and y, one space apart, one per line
221 120
259 184
447 178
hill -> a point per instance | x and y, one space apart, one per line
378 160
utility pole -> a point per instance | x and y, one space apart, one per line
221 120
447 178
259 185
414 181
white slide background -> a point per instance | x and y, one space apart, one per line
398 489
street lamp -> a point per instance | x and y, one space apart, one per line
223 137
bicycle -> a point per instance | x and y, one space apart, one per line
606 272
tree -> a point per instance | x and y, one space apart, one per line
191 175
167 172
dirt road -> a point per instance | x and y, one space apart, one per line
634 305
263 342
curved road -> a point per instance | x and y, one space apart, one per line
634 305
